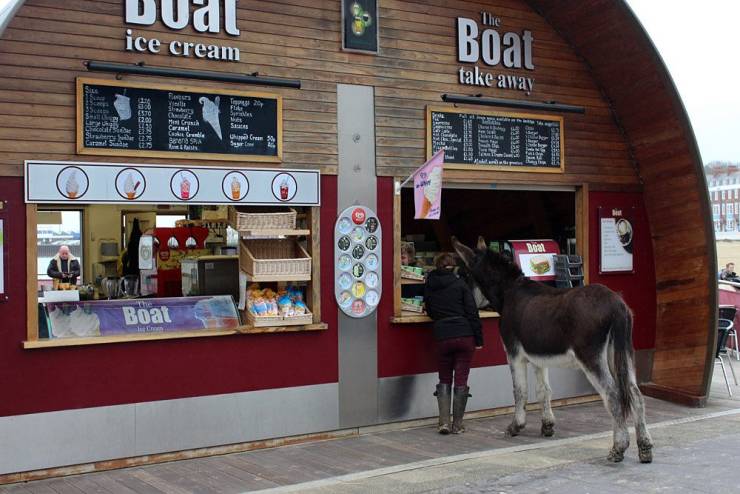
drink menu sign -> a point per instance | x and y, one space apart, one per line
129 119
506 141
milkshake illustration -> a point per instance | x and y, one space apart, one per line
129 187
431 191
122 104
184 187
284 189
236 189
72 187
211 112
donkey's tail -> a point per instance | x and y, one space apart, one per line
621 340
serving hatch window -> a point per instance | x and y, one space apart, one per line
57 230
502 217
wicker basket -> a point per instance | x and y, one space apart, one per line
268 321
281 259
243 218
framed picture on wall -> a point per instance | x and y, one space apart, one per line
616 240
360 25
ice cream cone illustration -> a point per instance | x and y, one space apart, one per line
129 187
72 187
431 191
211 112
184 187
236 189
122 104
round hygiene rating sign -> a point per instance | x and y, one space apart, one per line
357 261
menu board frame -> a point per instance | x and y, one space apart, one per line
82 149
495 113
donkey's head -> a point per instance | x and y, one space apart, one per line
492 271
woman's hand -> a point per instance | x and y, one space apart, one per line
479 347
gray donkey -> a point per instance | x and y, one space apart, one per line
587 328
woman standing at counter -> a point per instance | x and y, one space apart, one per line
457 329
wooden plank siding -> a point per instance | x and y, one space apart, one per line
45 45
646 103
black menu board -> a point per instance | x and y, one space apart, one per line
154 120
512 141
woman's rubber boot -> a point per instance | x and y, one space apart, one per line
458 408
443 401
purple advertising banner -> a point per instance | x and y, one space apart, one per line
151 315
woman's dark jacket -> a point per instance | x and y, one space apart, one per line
450 304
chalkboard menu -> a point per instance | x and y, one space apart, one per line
511 141
177 121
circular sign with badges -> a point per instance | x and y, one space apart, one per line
357 260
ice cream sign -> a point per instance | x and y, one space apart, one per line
108 183
357 261
204 16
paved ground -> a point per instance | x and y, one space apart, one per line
695 452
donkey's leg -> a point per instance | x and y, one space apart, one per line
518 366
544 393
599 376
644 442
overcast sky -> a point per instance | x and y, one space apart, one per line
696 41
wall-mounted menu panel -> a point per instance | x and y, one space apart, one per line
505 141
134 119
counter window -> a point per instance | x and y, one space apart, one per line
107 273
529 225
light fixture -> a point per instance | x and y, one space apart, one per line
512 103
141 69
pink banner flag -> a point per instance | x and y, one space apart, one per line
428 188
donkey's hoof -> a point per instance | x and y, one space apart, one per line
514 429
548 429
645 452
615 456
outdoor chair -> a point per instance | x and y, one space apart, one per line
723 331
728 312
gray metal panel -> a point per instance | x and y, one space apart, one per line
31 442
411 397
358 340
190 423
43 440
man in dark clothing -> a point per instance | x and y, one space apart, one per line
457 329
64 267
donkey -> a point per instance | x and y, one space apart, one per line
587 328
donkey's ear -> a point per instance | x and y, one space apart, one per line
465 253
481 243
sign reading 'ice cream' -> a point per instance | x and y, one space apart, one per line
91 183
131 119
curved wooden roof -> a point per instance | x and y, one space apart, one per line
647 107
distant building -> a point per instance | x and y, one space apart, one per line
723 179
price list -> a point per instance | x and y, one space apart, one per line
496 139
154 120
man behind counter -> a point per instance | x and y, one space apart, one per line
63 267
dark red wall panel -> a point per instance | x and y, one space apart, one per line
87 376
638 288
405 349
